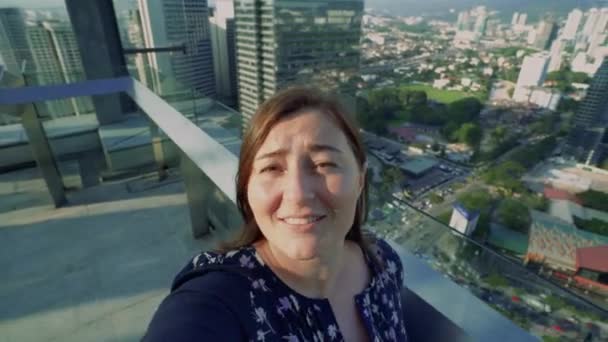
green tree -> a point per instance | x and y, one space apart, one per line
470 134
506 175
594 199
449 130
496 280
384 103
567 105
464 110
498 135
435 198
476 200
393 175
514 214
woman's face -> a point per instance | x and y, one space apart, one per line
304 185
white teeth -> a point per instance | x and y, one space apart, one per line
302 220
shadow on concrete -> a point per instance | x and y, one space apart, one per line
89 262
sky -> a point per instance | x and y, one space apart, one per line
408 7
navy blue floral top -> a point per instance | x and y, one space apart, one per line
234 296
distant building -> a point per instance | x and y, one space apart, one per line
223 42
592 268
418 166
586 63
546 32
522 19
555 242
281 43
168 23
463 220
515 19
16 50
545 98
481 22
572 24
587 141
464 21
532 74
557 48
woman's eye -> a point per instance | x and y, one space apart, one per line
326 165
271 168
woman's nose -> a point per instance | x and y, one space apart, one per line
299 186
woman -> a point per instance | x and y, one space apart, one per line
302 269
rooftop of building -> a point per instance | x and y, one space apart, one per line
593 258
96 267
419 165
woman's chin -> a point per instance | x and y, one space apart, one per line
302 250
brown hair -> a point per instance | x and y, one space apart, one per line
267 116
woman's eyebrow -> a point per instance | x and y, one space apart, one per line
312 148
322 148
276 153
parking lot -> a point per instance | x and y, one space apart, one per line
392 153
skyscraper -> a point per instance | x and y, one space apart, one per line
556 55
593 110
15 49
7 55
222 28
515 19
592 19
545 34
66 52
463 23
572 24
55 60
179 22
481 22
283 42
46 67
587 139
532 74
522 19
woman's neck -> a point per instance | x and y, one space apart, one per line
315 278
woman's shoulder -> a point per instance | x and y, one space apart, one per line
237 265
385 254
206 299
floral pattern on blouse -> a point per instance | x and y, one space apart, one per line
281 314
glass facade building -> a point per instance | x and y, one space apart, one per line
587 141
285 42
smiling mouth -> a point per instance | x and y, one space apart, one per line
302 221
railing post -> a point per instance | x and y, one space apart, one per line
43 154
198 189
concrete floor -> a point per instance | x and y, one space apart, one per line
94 270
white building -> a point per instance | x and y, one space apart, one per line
545 98
588 64
532 74
463 220
376 38
168 23
515 19
441 83
522 19
556 55
592 18
222 31
572 23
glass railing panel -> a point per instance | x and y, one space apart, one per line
543 308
